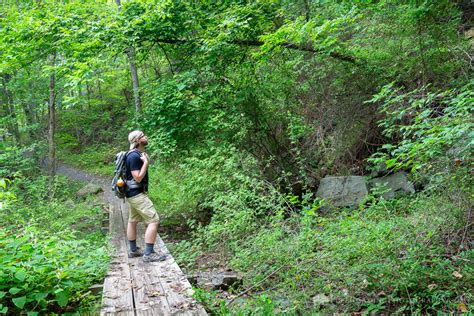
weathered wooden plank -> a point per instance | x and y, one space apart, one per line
117 297
177 287
148 293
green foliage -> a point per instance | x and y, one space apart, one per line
248 104
19 162
47 271
398 256
44 240
185 253
52 212
393 256
202 185
432 128
6 197
208 299
175 117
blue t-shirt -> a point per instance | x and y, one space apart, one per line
134 162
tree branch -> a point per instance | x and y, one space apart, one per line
243 42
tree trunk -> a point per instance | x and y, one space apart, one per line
88 95
51 128
135 84
12 124
30 118
130 52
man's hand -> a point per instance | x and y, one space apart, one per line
144 157
138 175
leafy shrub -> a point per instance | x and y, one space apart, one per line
404 255
46 272
44 240
391 256
191 189
14 161
6 197
432 128
79 129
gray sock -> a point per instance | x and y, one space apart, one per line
148 248
133 245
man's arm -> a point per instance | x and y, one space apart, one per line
138 175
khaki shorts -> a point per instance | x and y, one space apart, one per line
142 209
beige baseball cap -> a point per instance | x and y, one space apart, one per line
134 138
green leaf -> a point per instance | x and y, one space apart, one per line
40 296
19 301
32 313
390 163
2 294
62 298
20 275
14 290
4 310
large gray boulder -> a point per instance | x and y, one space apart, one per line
89 189
396 185
342 191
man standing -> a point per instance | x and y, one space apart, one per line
141 207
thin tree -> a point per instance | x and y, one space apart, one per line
52 126
130 52
12 124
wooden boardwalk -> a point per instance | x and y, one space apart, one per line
133 287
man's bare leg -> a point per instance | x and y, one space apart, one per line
132 230
150 238
150 233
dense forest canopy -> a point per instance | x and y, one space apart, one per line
248 106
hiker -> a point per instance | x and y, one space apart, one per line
141 207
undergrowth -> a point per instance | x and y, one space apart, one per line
98 159
406 255
52 249
412 254
398 255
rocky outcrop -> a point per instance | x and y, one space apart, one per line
342 191
89 189
216 280
396 185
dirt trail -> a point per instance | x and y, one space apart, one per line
80 175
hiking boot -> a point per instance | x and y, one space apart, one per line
136 253
154 257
